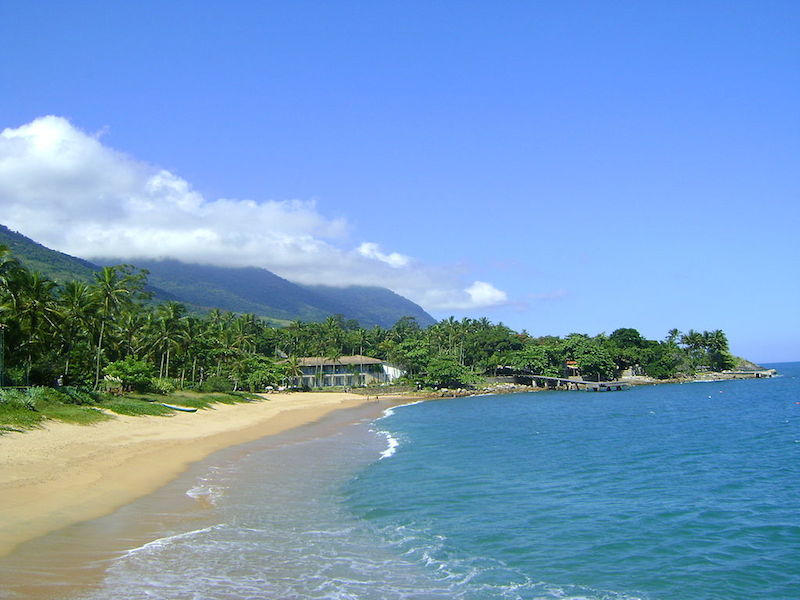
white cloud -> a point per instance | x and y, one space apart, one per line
485 294
69 191
478 295
372 250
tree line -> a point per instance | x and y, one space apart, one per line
87 334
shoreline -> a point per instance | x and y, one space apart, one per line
65 474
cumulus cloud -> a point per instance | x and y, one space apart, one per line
372 250
67 190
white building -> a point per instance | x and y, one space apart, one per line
351 371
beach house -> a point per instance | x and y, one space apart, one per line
349 371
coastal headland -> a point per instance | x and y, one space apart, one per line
63 473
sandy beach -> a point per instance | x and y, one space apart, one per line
64 474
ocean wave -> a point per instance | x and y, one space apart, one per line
393 444
391 410
160 543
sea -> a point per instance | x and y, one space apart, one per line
662 492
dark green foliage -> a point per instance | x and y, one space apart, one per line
446 372
17 398
73 333
217 383
73 395
135 374
663 361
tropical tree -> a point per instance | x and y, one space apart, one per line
168 331
34 309
114 287
76 305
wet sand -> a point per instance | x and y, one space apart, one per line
65 474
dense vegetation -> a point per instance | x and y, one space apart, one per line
104 334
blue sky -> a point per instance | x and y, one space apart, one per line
558 166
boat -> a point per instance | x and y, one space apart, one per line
180 408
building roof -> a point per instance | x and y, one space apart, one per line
316 361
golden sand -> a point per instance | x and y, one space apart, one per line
65 474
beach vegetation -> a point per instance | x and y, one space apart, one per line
133 373
134 406
445 371
72 335
217 383
162 385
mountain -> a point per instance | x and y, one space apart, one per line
259 291
58 266
55 265
242 290
375 304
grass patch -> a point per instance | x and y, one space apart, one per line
14 417
135 407
70 413
232 397
200 400
22 409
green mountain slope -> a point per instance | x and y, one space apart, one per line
58 266
242 290
376 304
255 290
55 265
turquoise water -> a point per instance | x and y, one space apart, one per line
662 492
676 491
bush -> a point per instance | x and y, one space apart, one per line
162 385
134 374
217 383
17 411
17 399
43 395
73 395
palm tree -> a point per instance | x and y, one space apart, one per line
244 333
333 354
111 293
9 265
168 332
76 305
293 369
133 327
35 309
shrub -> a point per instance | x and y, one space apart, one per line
135 374
17 399
73 395
162 385
217 383
42 395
